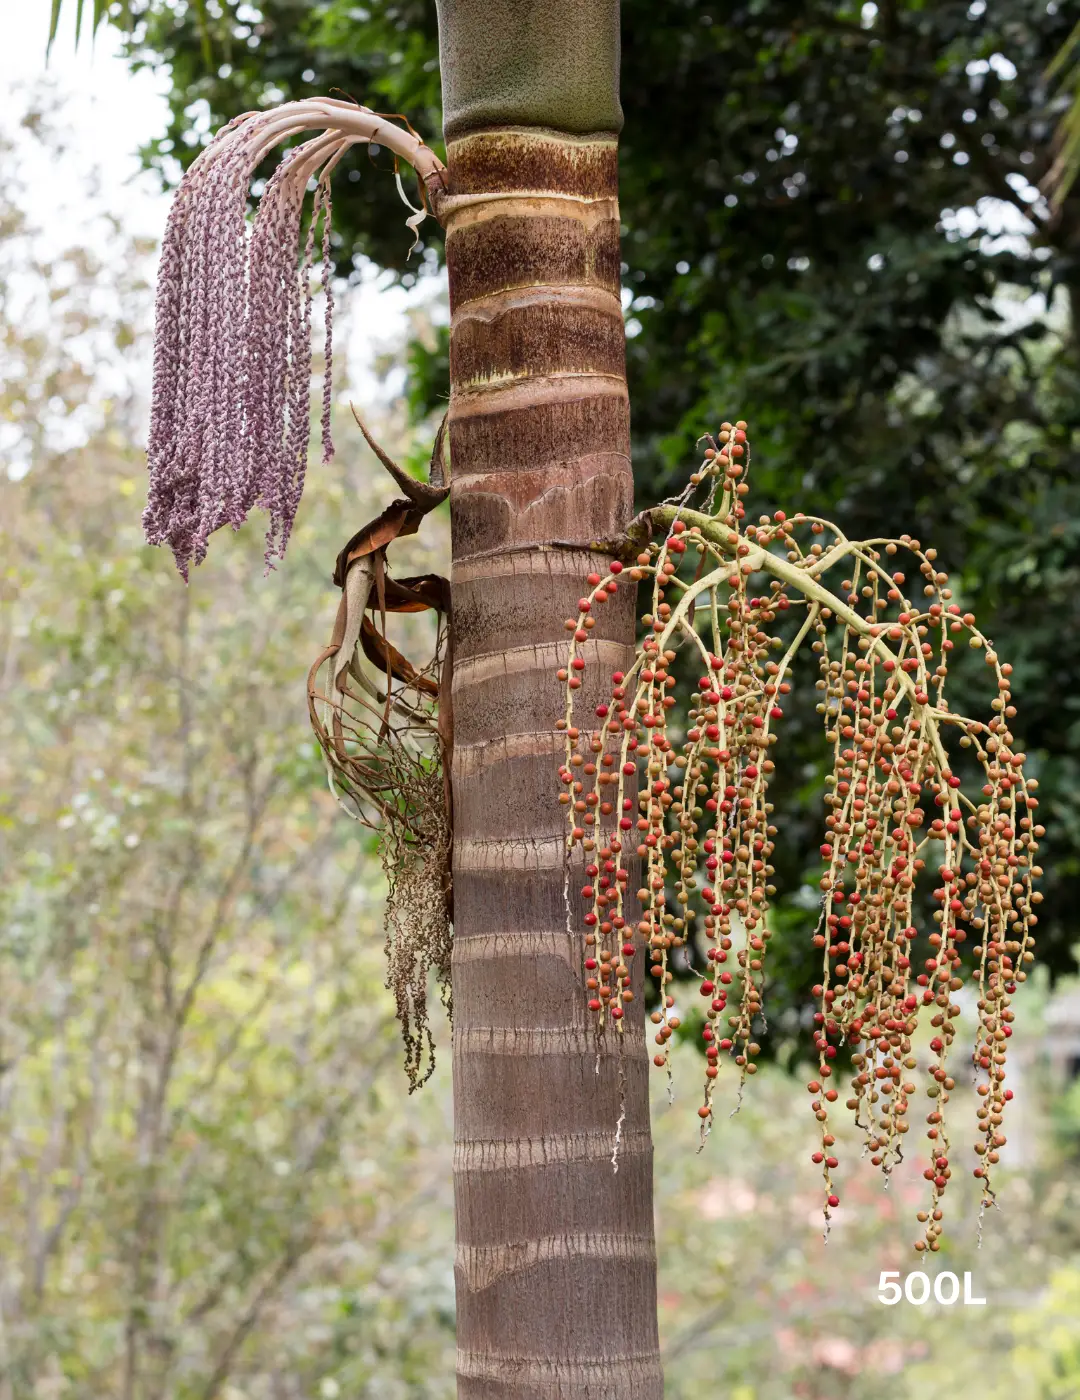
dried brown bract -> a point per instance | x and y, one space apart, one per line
385 739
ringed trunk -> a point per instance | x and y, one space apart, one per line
555 1268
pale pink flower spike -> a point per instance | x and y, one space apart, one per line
230 411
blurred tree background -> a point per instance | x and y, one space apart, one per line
213 1185
832 228
212 1182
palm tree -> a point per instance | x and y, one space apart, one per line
556 1259
556 1262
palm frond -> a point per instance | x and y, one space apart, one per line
54 20
1062 175
122 20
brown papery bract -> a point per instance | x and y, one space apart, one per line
385 758
743 598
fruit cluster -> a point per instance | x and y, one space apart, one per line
687 792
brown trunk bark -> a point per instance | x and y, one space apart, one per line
556 1272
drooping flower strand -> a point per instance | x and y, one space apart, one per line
661 928
910 762
230 411
895 809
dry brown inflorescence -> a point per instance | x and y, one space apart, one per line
383 725
376 718
742 598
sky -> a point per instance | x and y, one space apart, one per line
107 113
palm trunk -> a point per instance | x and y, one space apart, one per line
556 1268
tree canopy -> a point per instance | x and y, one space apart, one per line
797 188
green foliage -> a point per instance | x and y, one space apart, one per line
99 12
1049 1350
196 1048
